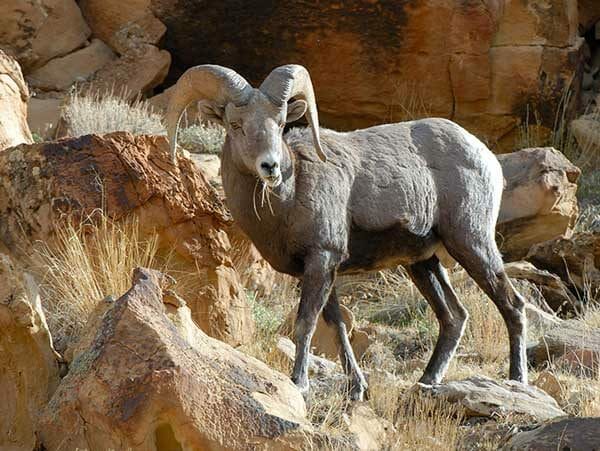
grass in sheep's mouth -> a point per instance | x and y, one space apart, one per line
265 195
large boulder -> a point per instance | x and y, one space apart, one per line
13 104
484 397
575 259
151 380
480 63
137 72
111 20
539 201
60 73
576 434
29 371
125 174
36 32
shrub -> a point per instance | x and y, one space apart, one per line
100 113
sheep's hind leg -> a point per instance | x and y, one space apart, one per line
432 281
317 280
482 260
333 316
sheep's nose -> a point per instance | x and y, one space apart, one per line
270 168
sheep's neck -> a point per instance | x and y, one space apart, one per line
264 223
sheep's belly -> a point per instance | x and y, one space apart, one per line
375 250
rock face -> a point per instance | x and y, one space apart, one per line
568 434
151 380
125 174
13 104
576 259
477 62
29 368
538 202
484 397
570 344
36 32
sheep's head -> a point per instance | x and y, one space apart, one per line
253 118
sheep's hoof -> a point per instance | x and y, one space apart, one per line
358 391
303 388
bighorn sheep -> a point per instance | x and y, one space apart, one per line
358 201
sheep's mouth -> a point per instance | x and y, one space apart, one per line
272 181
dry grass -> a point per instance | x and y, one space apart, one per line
408 103
84 265
202 138
107 112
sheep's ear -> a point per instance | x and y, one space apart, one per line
296 110
211 112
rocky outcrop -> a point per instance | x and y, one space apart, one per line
36 32
29 364
557 296
567 434
124 175
13 104
575 259
538 203
484 397
480 63
151 380
571 344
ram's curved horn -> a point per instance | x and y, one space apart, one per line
293 80
215 83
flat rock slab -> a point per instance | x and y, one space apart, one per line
573 434
484 397
571 342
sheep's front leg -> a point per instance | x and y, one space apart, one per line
317 280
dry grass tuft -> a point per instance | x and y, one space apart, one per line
85 264
427 423
202 138
107 112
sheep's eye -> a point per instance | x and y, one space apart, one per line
236 125
281 125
